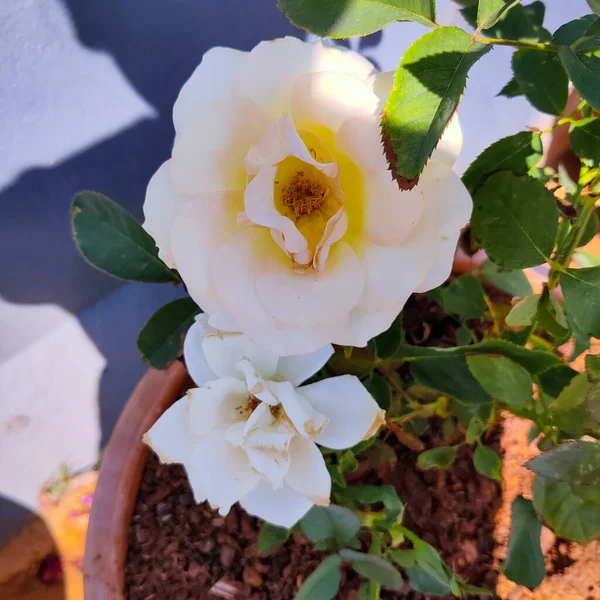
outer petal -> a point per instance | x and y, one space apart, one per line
353 414
452 210
212 80
308 474
200 227
307 421
329 99
450 144
304 300
171 437
359 138
283 507
297 369
224 350
222 471
159 211
364 326
208 155
272 68
393 272
235 269
195 361
217 404
391 213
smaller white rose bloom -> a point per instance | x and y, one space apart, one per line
249 433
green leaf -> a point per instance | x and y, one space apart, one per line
379 388
573 394
581 289
592 368
114 242
387 342
514 283
516 153
543 80
554 380
577 463
594 6
525 561
570 32
464 297
511 90
373 567
535 361
440 458
487 462
348 462
522 314
271 537
523 23
464 336
428 85
571 512
584 72
452 377
330 522
585 139
489 11
372 494
161 338
502 379
519 209
569 411
348 18
323 583
475 430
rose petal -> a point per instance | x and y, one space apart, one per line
235 269
307 421
450 145
338 398
208 154
335 230
391 213
223 350
195 361
221 470
362 326
257 385
283 507
171 437
217 403
273 67
268 451
159 211
200 227
307 473
260 209
359 138
452 206
330 98
212 80
308 299
297 369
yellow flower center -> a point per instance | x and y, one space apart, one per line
303 194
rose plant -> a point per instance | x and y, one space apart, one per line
306 198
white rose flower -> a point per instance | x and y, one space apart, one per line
278 207
249 434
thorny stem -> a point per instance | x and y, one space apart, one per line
518 44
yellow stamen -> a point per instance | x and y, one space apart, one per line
303 194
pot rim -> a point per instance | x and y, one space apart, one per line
119 480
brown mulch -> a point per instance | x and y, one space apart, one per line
179 550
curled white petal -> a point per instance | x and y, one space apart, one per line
353 414
308 474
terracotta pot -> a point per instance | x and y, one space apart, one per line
119 479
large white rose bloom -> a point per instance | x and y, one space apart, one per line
248 432
278 207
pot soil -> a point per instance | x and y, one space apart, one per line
148 540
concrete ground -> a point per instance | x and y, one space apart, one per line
86 90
